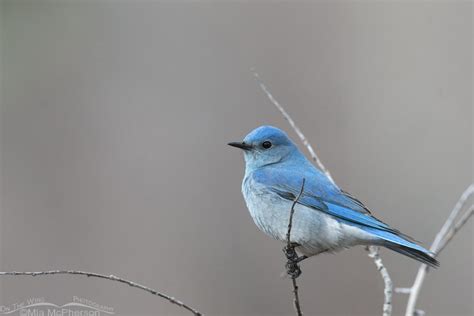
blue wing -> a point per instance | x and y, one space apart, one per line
319 194
322 195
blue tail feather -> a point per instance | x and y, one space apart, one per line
403 246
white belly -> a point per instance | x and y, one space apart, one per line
313 230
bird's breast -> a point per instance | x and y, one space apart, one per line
315 231
266 209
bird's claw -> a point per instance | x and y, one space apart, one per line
292 267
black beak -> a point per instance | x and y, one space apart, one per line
241 145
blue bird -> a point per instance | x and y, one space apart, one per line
326 218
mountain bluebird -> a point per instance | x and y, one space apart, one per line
326 218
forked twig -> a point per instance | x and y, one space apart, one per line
444 236
449 224
108 277
449 236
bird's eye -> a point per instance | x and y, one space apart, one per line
266 144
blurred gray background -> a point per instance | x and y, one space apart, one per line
115 117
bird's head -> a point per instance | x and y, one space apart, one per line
266 145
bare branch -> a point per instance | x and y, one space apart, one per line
374 254
289 250
292 212
449 236
314 156
107 277
296 300
444 236
294 126
403 290
450 220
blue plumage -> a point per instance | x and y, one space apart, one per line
326 218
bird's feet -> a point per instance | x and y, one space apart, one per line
292 267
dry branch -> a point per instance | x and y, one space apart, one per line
295 127
449 236
387 310
388 285
108 277
444 236
292 265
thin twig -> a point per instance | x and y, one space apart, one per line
296 301
292 256
441 240
314 156
449 236
374 254
292 212
107 277
402 290
294 126
450 221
